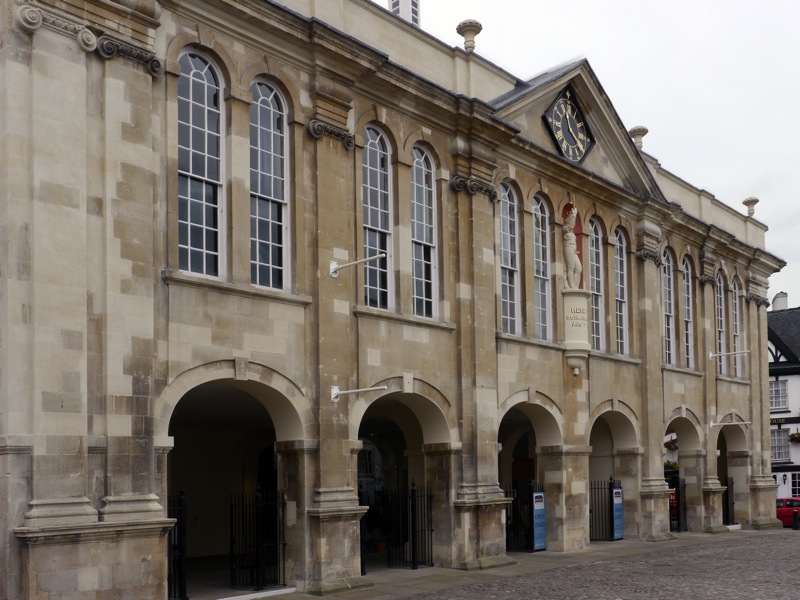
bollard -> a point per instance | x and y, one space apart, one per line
795 520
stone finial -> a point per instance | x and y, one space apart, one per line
469 29
750 203
637 133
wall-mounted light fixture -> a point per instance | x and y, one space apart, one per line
712 356
784 478
336 392
335 266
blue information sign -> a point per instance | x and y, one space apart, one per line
616 497
539 528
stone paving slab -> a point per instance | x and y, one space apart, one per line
738 565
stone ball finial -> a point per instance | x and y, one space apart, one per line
637 133
469 29
750 203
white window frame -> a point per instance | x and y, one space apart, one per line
509 261
779 440
424 258
621 290
269 218
668 297
738 329
795 485
721 328
201 196
778 394
541 269
376 202
596 285
688 314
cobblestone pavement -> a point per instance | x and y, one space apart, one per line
740 567
748 565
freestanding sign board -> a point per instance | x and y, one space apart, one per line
539 528
616 510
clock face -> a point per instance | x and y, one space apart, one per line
568 128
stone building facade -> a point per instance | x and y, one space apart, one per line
185 185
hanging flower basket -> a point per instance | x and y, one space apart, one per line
673 444
670 465
794 437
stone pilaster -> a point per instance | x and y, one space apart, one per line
565 473
440 474
691 470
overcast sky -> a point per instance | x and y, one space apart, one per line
716 82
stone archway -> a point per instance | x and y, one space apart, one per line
733 471
684 460
227 436
405 445
616 455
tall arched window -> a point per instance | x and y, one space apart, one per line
596 283
377 206
738 330
268 219
423 233
719 295
688 314
509 266
199 166
621 290
541 268
668 297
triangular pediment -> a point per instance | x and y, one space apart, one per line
612 156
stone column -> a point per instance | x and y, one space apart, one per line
334 510
480 503
440 474
762 485
627 466
691 471
565 473
654 490
296 468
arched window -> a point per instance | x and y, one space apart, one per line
621 290
509 266
541 268
719 295
738 330
688 314
668 298
199 166
596 283
377 214
268 208
423 233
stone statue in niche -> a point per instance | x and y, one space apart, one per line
572 260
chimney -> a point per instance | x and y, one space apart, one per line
408 10
780 301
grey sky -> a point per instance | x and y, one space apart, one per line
716 82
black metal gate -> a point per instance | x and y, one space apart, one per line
176 549
256 540
404 527
677 504
519 519
601 509
728 514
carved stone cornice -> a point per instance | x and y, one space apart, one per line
109 47
30 17
648 254
318 128
758 300
707 279
473 186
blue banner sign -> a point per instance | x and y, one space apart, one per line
539 527
616 498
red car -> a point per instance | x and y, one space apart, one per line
786 508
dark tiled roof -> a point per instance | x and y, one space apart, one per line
784 331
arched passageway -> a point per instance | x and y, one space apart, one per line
224 464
